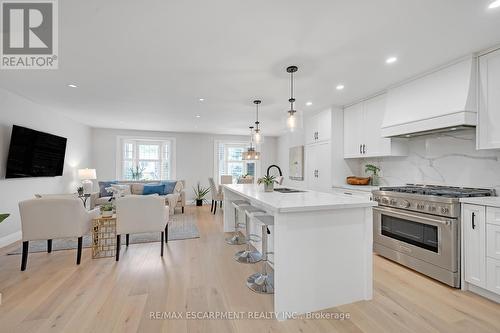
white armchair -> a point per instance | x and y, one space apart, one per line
54 217
138 214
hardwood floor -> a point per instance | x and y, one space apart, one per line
55 295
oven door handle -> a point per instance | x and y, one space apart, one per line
412 216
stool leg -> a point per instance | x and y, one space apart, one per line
261 282
248 256
236 238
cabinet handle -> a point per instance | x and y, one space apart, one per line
360 149
364 151
473 220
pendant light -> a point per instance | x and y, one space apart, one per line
258 138
293 119
251 154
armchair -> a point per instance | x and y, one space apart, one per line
139 214
54 217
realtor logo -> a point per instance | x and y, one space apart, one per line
29 34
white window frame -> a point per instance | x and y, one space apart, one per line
121 140
233 143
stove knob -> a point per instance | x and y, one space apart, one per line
444 210
385 200
393 202
420 206
432 208
377 199
405 204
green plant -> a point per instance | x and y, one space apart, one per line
3 217
267 180
200 192
372 168
106 207
137 172
79 189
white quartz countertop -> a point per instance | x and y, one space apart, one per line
296 202
483 201
364 188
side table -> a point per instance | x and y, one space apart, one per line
103 237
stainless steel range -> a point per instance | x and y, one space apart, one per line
419 226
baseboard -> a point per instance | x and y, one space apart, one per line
485 293
11 238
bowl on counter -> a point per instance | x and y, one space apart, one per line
353 180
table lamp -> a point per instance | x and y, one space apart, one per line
86 176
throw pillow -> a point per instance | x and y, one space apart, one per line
102 188
169 186
153 189
122 189
137 188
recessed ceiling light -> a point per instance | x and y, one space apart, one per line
340 87
391 60
72 86
309 103
494 4
201 99
198 116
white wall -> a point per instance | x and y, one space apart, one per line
194 153
443 159
20 111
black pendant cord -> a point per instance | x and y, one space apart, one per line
292 99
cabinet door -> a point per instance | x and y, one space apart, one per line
489 101
493 275
318 166
353 131
473 226
493 241
310 129
324 125
375 144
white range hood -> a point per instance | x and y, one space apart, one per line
441 101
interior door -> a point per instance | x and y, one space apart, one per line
353 131
473 225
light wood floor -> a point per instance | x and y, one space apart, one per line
200 275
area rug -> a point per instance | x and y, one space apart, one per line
179 227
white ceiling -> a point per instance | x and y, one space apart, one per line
145 64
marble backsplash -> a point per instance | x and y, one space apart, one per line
443 159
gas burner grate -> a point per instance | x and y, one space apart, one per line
441 191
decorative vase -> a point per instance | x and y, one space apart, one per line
199 202
375 180
107 213
268 187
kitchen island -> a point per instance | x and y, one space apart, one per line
322 246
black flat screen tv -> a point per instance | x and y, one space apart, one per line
35 154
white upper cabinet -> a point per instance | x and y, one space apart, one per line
362 131
318 166
318 128
488 130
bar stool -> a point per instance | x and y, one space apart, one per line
249 256
237 238
262 282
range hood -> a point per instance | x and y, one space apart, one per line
444 100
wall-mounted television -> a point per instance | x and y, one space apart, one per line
35 154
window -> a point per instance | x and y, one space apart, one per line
230 161
143 159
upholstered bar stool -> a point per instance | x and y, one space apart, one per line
262 282
249 256
237 238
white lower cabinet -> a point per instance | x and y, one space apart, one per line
473 224
493 275
481 247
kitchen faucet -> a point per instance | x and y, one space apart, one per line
279 179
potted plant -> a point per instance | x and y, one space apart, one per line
3 217
373 169
200 192
137 172
79 189
268 182
107 210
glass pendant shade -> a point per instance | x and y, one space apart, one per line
251 154
293 119
258 138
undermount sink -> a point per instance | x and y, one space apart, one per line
287 190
